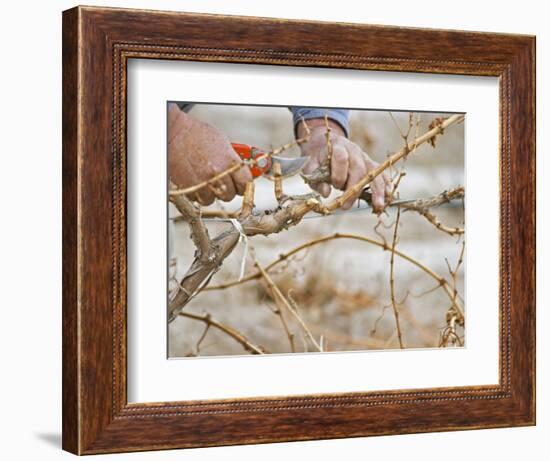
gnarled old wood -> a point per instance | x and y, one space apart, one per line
290 211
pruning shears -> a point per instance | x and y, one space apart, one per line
264 162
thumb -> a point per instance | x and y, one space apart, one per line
323 188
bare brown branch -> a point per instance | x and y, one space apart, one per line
442 282
392 281
199 232
436 200
279 313
278 182
422 206
209 182
294 305
212 252
248 201
453 318
237 336
284 302
208 214
208 257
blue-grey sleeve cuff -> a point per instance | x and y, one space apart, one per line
340 116
185 106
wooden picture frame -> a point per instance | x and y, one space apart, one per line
97 44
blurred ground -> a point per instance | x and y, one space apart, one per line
341 286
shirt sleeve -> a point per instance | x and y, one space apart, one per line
340 116
185 106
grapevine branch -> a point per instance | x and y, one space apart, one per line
211 253
394 193
279 313
280 303
278 295
392 281
239 337
441 281
423 206
449 333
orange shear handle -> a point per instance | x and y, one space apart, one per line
262 161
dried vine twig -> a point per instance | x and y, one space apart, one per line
290 212
392 282
240 338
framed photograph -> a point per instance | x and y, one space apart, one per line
282 230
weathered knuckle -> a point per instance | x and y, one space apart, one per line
205 198
361 170
339 154
370 163
348 204
245 175
228 196
338 178
239 187
325 189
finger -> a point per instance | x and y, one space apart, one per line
388 190
377 185
192 196
339 166
378 188
205 196
311 165
225 189
357 170
240 178
322 188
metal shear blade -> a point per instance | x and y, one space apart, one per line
289 166
262 162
